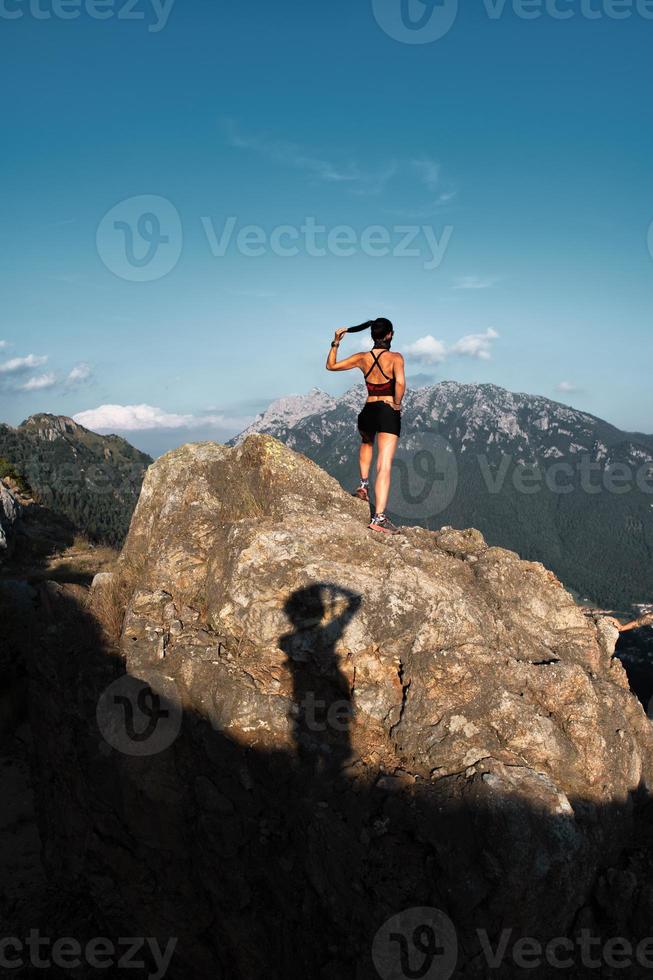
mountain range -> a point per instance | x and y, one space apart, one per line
552 483
91 479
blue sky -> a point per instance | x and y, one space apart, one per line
516 152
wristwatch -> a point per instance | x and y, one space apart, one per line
335 343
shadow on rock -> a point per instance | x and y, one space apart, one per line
635 651
282 854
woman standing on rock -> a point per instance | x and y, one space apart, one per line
381 416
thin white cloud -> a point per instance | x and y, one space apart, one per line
428 172
371 184
423 171
39 382
475 282
137 418
358 180
13 371
79 374
293 155
4 344
567 387
18 365
476 345
426 210
429 350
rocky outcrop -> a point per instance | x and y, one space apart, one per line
309 729
9 517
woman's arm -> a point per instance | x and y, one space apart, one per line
400 381
333 364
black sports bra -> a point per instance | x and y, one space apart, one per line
384 387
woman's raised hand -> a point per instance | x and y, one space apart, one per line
340 333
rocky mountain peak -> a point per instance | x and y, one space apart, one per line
286 412
463 453
51 427
356 726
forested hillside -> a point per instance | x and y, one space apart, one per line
93 480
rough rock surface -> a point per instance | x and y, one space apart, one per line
355 726
9 517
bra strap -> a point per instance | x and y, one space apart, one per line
375 360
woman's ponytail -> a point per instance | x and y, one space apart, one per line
380 327
361 326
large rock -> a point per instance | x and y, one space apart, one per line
353 726
9 517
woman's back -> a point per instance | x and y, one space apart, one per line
378 366
378 369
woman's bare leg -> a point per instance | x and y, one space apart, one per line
365 456
387 445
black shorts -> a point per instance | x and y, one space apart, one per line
379 417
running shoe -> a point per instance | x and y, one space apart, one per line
382 523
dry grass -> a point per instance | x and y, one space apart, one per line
108 602
103 554
78 563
